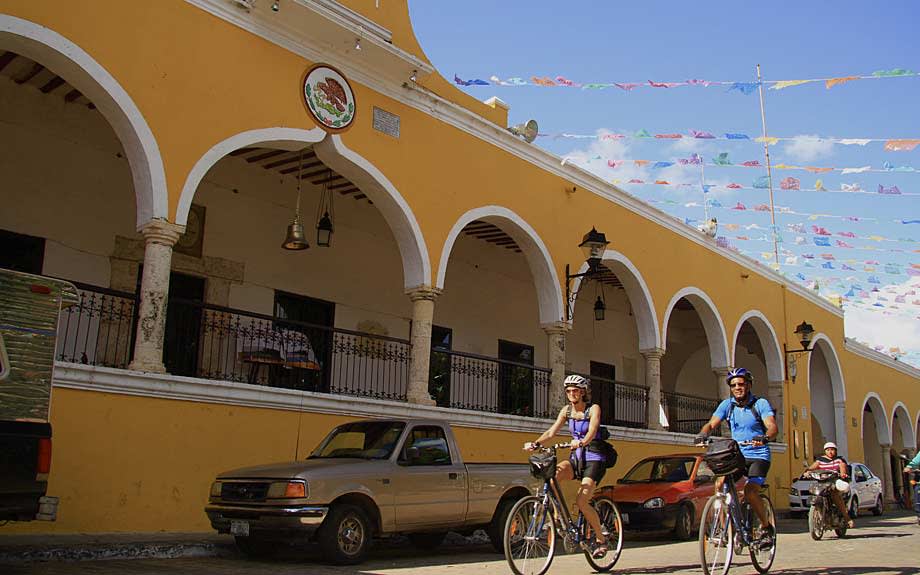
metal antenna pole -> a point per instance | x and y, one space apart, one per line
766 153
703 187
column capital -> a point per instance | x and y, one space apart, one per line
162 232
556 328
652 353
721 371
840 404
423 292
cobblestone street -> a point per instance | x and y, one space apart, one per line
889 544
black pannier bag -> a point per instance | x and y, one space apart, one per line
605 449
543 464
723 456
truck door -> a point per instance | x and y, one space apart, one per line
430 482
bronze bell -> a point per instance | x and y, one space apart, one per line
296 239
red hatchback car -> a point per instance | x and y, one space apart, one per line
664 492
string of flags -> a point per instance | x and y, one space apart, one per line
745 88
722 160
890 144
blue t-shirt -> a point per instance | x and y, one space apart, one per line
745 425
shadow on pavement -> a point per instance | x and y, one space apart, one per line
847 571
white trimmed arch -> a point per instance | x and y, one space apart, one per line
905 424
640 297
880 416
541 265
712 324
772 352
838 387
333 152
84 73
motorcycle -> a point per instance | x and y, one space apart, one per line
824 514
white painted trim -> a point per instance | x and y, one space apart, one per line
882 430
176 388
541 264
838 388
640 298
712 324
775 361
265 136
909 438
439 108
389 202
84 73
878 357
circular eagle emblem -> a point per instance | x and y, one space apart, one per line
329 98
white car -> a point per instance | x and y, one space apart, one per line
865 491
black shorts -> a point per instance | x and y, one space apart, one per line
593 469
755 470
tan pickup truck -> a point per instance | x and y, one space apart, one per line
373 478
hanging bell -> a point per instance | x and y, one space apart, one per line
296 239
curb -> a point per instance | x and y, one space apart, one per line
102 551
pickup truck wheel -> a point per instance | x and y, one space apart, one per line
427 541
345 535
255 547
496 529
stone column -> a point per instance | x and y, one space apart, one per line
159 238
887 482
775 396
422 299
555 341
724 392
653 383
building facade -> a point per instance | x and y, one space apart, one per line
155 157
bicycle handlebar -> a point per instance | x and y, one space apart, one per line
709 440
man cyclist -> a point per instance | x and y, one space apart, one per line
750 418
913 466
831 462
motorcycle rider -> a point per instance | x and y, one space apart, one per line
831 462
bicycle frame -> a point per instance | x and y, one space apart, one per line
565 526
740 521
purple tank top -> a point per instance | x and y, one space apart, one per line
579 429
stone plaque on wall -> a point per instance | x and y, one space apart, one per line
386 122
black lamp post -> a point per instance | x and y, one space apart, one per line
593 244
804 332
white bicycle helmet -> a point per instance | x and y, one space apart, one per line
578 381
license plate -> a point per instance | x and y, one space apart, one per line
239 528
625 517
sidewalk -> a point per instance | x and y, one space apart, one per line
31 548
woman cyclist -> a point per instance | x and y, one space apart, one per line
583 464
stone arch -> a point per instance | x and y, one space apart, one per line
768 340
89 77
905 425
838 388
712 324
538 259
333 152
640 297
880 417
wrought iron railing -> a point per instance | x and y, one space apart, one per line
687 413
481 383
99 330
622 404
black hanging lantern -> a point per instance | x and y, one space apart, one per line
593 244
325 227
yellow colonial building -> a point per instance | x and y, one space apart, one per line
157 153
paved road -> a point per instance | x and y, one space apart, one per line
888 545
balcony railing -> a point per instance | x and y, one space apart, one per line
470 381
622 404
99 330
687 413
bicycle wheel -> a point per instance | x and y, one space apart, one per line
762 554
816 519
530 540
717 536
612 524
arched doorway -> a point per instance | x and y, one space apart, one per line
903 443
827 397
500 289
876 439
696 358
612 351
755 347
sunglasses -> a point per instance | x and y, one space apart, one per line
571 389
742 384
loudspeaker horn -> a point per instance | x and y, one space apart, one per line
528 130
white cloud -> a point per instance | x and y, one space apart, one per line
875 327
807 147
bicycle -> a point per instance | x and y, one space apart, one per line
537 522
728 526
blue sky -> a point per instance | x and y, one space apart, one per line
603 42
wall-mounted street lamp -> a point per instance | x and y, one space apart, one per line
804 332
593 245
